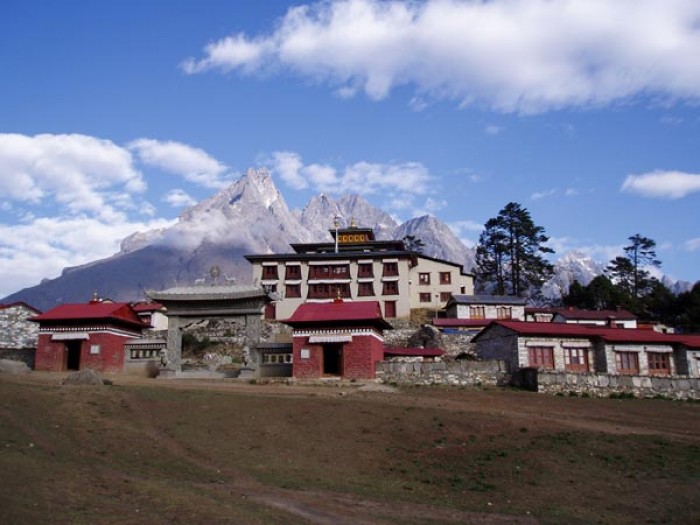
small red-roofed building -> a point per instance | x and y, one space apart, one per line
86 335
338 339
152 313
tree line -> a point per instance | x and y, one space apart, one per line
511 260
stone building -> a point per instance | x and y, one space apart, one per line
18 335
579 348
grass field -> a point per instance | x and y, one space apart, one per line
149 451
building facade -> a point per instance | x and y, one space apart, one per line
88 335
575 348
357 267
338 339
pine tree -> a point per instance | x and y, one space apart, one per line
629 271
510 253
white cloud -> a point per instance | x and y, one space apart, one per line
77 172
543 194
193 164
510 55
692 245
662 184
42 247
178 198
408 178
492 129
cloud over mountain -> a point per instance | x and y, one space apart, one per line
523 56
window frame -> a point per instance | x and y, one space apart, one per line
541 357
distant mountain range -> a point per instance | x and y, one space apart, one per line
251 216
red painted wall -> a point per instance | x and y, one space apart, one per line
52 355
359 358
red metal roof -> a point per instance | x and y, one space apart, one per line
413 352
594 315
450 322
114 312
338 311
147 307
613 335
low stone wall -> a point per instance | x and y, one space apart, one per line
25 355
606 385
462 373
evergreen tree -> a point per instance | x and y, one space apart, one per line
509 254
629 271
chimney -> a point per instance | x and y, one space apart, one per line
612 321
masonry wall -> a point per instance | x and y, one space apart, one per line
15 330
499 343
457 373
25 355
605 385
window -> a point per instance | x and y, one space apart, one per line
576 359
423 278
365 270
341 271
445 296
328 291
504 312
293 290
269 272
541 357
424 297
390 288
390 309
477 312
391 269
445 278
293 272
270 311
627 362
659 363
365 289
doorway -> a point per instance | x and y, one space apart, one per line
73 354
333 359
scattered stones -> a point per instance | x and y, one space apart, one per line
86 377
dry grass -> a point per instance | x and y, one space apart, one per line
188 452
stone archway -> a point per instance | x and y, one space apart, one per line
192 304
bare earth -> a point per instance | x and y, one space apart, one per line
224 452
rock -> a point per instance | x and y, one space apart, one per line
9 366
85 377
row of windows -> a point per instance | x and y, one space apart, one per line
331 291
479 312
576 360
424 297
444 278
330 271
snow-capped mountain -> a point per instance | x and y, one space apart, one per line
440 242
572 266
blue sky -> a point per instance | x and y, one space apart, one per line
116 115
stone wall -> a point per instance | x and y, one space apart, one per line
15 330
25 355
460 372
608 385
